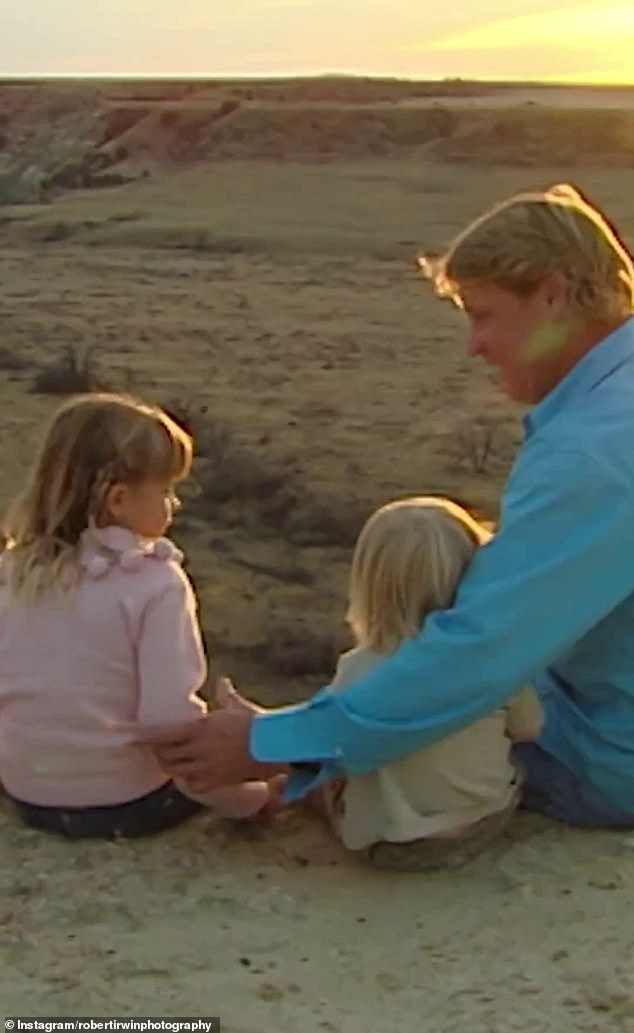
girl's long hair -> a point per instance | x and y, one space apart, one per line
92 442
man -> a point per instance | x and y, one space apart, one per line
548 289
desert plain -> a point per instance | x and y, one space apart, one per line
244 254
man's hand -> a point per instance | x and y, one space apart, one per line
210 752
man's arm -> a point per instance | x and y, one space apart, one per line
561 561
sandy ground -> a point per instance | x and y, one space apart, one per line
203 921
297 319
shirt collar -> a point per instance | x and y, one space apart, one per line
602 360
104 547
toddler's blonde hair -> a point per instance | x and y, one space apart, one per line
518 242
408 561
92 442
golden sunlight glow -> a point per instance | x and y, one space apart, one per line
586 41
589 26
604 33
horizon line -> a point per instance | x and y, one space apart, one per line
303 76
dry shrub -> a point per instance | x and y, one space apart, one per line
479 443
251 487
75 371
475 445
230 471
11 361
325 522
293 650
57 233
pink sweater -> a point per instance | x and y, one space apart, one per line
82 673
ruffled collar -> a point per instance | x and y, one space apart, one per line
102 548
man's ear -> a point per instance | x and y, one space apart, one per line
555 293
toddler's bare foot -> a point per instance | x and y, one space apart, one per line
227 697
240 801
275 802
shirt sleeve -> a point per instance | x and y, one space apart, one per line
170 656
524 717
561 561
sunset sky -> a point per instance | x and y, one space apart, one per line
560 40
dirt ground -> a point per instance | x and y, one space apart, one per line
275 307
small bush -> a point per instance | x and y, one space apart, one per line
56 233
479 443
12 362
241 476
265 490
475 446
75 371
231 471
293 650
325 522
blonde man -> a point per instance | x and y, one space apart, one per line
548 289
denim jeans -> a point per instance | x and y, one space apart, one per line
554 790
162 809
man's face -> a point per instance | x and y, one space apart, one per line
518 335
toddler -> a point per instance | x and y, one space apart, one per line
444 804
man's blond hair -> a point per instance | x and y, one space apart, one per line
520 241
408 561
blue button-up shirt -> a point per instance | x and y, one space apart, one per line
549 601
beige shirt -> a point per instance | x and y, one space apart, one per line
440 789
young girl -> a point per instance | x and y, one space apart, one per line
98 628
444 804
